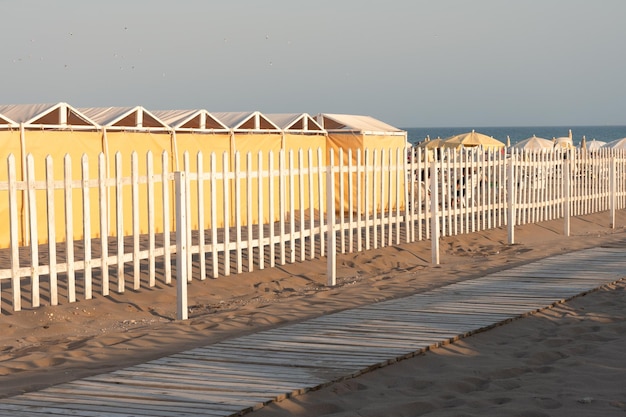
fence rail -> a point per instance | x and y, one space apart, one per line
86 235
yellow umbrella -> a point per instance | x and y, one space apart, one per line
473 139
431 144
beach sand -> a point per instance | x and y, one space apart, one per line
567 360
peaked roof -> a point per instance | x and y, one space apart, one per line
247 121
6 122
124 117
356 123
46 115
296 122
190 120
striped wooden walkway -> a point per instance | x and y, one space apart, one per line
244 373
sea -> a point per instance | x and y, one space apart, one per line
416 135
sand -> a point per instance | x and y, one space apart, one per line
567 360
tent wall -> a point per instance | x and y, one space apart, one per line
206 143
254 143
293 142
378 146
58 145
140 142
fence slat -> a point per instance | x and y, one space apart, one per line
14 243
86 228
69 230
104 223
151 219
32 227
52 239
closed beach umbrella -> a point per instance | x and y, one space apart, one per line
473 139
534 143
616 144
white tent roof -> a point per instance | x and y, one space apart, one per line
296 122
124 117
190 120
247 121
356 123
6 122
47 115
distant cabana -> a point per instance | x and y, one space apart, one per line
360 133
196 131
199 133
133 129
251 133
299 131
300 134
54 130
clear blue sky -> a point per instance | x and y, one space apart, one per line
410 63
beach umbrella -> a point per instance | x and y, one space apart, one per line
583 143
473 139
594 144
534 143
431 144
616 144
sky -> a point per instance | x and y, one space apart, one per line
409 63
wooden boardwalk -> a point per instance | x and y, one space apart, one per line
244 373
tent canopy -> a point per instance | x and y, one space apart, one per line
53 116
247 121
124 118
365 125
190 120
296 122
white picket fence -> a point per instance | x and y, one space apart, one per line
271 209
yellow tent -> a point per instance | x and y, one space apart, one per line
302 135
54 130
200 132
361 133
126 130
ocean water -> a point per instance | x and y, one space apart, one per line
516 134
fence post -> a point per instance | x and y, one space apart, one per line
182 267
510 194
613 190
331 248
434 213
567 192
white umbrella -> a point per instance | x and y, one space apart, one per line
616 144
594 144
534 144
